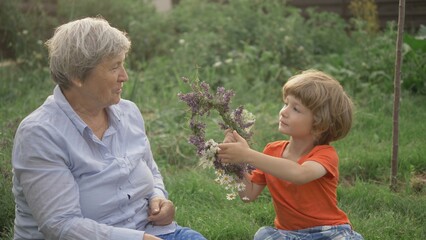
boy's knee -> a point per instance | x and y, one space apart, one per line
264 232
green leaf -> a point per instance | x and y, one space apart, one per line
416 44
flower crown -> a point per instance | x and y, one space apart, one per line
201 101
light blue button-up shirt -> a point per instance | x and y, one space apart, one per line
68 184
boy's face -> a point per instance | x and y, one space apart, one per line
295 119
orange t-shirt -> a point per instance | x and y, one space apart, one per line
307 205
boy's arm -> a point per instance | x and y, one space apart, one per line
240 152
285 169
251 191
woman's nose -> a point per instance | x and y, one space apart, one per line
123 75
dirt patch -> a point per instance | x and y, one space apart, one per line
418 183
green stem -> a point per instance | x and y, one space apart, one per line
232 124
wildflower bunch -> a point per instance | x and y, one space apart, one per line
201 102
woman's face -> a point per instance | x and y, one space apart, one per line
295 119
104 84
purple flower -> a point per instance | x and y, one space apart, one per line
197 141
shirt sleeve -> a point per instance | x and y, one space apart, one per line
41 170
327 156
272 149
159 188
258 176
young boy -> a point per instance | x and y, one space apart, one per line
301 173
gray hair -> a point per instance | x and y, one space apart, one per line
79 46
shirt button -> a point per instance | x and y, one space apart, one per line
129 219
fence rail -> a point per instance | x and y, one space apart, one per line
415 10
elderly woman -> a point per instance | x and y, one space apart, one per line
83 167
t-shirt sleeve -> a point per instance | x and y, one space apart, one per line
326 156
258 176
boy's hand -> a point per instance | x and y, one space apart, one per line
229 136
233 152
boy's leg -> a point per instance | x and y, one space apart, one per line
270 233
267 233
347 235
338 232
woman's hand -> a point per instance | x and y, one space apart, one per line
147 236
161 211
233 151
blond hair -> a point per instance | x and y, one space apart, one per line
324 96
78 46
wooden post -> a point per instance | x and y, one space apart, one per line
397 93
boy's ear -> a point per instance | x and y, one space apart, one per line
317 134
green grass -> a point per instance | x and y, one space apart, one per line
374 210
203 206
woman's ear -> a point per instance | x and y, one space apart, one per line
77 82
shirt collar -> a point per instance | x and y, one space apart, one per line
114 112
